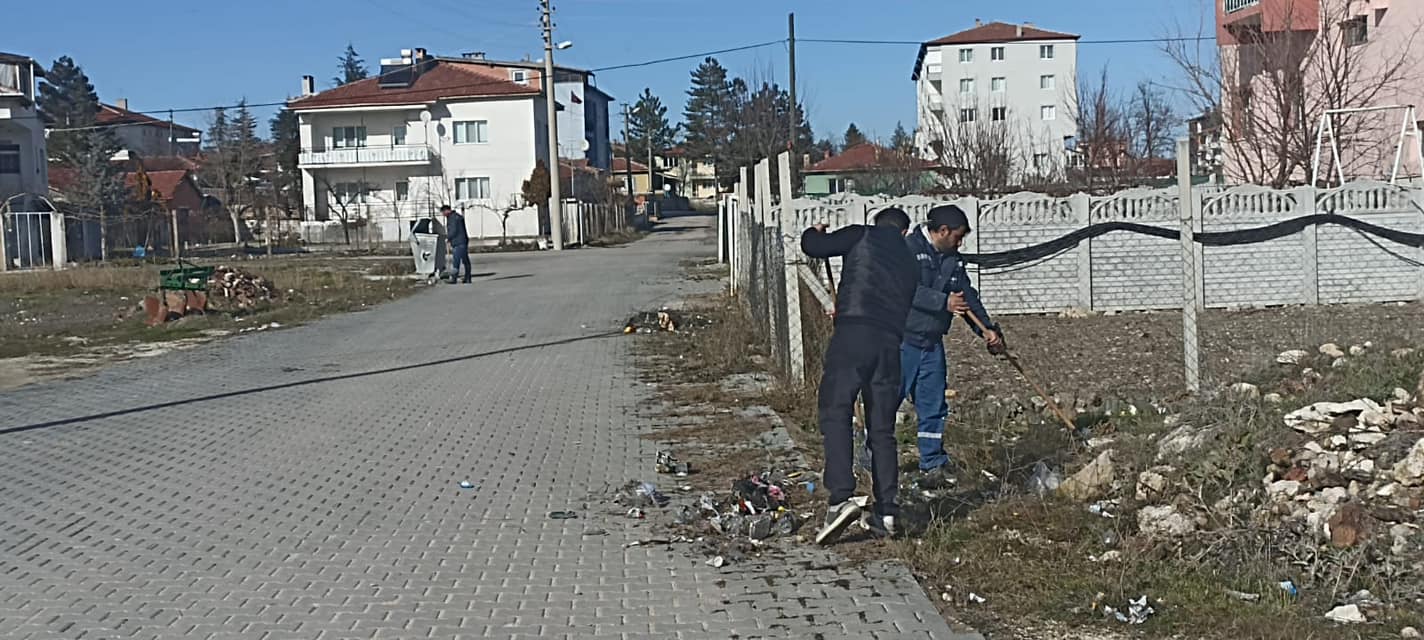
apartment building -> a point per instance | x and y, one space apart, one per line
146 135
1352 54
1017 76
431 130
23 163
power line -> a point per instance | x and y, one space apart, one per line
691 56
921 42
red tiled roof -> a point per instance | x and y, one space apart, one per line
621 165
1001 32
865 156
110 115
166 183
444 79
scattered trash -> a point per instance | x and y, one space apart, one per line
595 532
1243 596
1289 587
716 562
1137 611
1103 508
466 484
636 513
669 464
759 528
1043 481
976 598
1346 614
563 515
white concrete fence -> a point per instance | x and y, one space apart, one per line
1120 271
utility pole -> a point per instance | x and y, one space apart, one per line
795 106
627 154
556 214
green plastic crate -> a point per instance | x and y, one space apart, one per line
186 277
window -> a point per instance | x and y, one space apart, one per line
1046 82
519 76
9 159
1049 112
348 137
348 192
1000 114
966 55
1040 161
472 188
966 86
472 132
836 185
398 134
402 191
10 79
998 84
996 53
1356 30
1045 52
966 115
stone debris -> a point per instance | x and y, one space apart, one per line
1332 350
1346 614
1246 390
1164 521
1092 481
1292 357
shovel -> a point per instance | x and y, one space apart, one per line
1018 366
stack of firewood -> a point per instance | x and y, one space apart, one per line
231 288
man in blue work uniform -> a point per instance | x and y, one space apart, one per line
944 291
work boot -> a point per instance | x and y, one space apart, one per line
838 517
941 477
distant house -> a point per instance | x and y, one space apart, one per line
149 136
158 190
869 169
23 162
697 176
428 131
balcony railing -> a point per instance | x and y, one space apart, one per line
1232 6
410 154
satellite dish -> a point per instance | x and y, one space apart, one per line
425 115
585 146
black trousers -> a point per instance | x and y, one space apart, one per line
861 361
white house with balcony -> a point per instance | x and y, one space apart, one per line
1014 77
33 235
382 152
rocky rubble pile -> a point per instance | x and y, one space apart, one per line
230 288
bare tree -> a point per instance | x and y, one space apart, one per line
1273 86
340 204
978 147
1152 120
1104 136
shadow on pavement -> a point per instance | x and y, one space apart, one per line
302 383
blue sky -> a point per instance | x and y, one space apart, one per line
164 54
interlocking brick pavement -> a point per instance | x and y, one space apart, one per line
304 483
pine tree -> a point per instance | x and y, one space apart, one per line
648 126
67 100
287 144
902 141
708 116
352 67
852 137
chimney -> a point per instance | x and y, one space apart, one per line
1020 31
474 55
122 103
978 22
308 86
419 54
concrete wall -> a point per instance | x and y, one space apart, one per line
1125 271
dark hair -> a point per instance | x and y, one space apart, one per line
445 207
893 217
947 215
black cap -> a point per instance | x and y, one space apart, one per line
947 215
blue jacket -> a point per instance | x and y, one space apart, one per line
940 275
455 231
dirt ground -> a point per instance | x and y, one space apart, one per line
1032 560
65 323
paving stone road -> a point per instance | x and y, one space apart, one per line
303 483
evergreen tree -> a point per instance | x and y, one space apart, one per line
352 67
902 141
287 144
823 149
709 114
67 100
852 137
648 125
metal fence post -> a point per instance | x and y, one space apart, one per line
1190 303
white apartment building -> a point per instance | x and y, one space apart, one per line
429 131
23 162
1016 74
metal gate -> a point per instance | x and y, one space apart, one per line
29 240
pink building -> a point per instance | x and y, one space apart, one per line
1285 63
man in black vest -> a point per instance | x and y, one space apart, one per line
878 279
